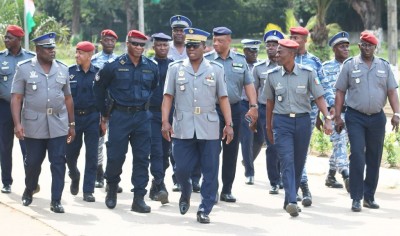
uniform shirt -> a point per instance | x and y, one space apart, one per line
81 83
366 87
260 75
251 66
100 58
314 62
236 72
44 114
174 54
331 69
128 85
8 63
291 92
157 97
195 93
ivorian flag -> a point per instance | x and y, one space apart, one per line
29 11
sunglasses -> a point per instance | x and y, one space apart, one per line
192 45
135 44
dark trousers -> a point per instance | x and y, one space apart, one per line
229 151
159 155
125 128
35 154
366 136
188 153
7 142
292 137
87 125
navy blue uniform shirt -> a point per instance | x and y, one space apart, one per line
157 97
82 86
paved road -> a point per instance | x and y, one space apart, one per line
255 213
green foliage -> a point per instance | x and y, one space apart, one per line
320 143
290 19
390 145
323 53
50 24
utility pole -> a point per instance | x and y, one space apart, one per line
141 15
392 35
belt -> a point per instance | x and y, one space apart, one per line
196 110
295 115
367 114
83 112
155 108
129 109
344 109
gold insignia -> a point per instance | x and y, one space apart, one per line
181 73
191 31
122 62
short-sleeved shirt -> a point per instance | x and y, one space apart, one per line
331 69
291 91
44 114
195 96
8 64
100 58
260 72
237 73
157 97
251 67
174 54
82 83
366 88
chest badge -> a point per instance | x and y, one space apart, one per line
280 98
181 73
5 78
182 87
34 86
358 80
33 74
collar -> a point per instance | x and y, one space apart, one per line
91 68
20 53
295 70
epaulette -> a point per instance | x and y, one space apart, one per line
304 67
71 66
111 60
217 63
2 52
62 63
24 61
175 62
273 70
348 59
384 60
259 63
239 54
31 53
154 61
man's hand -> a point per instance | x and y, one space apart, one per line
318 122
166 131
103 128
270 136
71 134
19 132
227 134
395 123
253 113
339 124
328 127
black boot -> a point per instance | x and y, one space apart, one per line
307 198
99 177
331 181
111 197
138 205
158 192
74 187
346 179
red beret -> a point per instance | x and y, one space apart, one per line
288 43
85 46
108 32
15 30
368 37
137 34
299 30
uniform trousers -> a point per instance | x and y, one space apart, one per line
159 156
338 160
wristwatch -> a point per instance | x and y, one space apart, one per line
72 124
254 105
231 124
328 117
397 114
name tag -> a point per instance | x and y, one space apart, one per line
238 65
381 71
123 69
356 71
181 78
147 71
5 67
301 86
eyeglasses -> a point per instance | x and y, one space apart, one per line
192 45
367 45
135 44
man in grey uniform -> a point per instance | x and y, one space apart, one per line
367 81
177 50
47 118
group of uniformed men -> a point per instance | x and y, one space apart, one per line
194 102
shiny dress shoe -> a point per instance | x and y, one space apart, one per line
356 206
138 205
196 187
250 180
370 204
111 197
119 190
6 188
56 207
88 197
202 217
274 189
74 187
227 197
184 205
176 188
27 197
292 209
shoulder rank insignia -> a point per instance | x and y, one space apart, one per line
71 77
122 62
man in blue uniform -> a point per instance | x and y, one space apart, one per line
9 58
87 120
237 76
365 82
130 80
196 84
288 88
160 148
46 119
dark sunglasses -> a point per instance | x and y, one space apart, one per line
192 45
135 44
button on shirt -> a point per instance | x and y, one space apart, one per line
157 97
291 91
100 58
260 75
81 83
174 53
366 88
236 72
8 63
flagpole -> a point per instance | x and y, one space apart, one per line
26 42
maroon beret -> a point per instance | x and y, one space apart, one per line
15 30
369 38
108 32
299 30
288 43
138 35
85 46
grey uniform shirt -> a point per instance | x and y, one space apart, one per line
195 96
366 88
237 73
44 114
8 63
260 72
174 54
291 92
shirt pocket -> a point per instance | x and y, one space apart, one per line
382 76
181 85
74 87
212 116
147 83
5 73
33 85
280 94
30 115
355 78
301 90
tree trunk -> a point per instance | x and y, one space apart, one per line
130 22
368 13
76 14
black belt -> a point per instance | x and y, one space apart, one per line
295 115
83 112
129 109
155 108
367 114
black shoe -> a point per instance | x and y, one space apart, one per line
27 197
176 188
331 181
202 217
111 197
307 198
285 205
370 204
74 188
119 190
249 180
356 206
298 198
158 192
99 177
196 187
56 207
138 205
347 184
227 197
6 188
88 197
184 205
274 189
36 190
280 184
292 209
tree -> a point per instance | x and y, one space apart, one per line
368 12
76 16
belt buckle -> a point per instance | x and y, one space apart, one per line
197 110
292 115
49 111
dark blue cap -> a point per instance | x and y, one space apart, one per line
341 37
221 31
47 40
180 22
251 44
273 35
195 35
160 37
